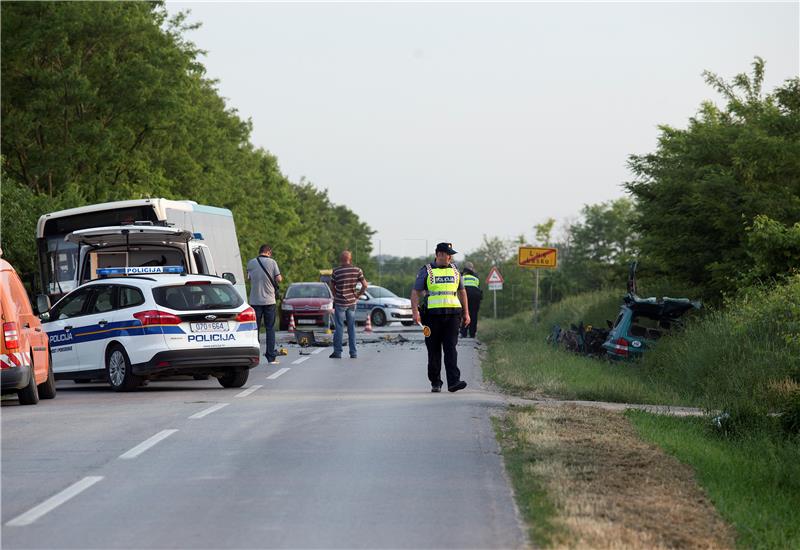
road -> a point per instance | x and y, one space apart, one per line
311 453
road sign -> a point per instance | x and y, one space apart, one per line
494 277
532 256
495 282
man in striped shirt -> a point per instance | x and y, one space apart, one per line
345 296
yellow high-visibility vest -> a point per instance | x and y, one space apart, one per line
472 280
442 283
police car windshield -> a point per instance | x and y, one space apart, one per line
312 290
193 297
380 292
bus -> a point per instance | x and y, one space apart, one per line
211 227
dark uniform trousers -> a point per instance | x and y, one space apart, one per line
474 300
444 337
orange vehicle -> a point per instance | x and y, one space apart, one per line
25 367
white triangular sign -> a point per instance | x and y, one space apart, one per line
494 276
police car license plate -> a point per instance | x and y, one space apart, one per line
306 321
215 326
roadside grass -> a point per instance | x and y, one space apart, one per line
753 480
584 479
519 359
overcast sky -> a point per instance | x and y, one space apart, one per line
444 122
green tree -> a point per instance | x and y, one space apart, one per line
704 185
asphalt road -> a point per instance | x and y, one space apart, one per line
311 453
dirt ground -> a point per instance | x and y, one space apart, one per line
611 489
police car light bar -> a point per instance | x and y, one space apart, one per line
106 271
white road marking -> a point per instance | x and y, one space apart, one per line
208 411
54 502
146 444
277 374
300 360
249 390
316 351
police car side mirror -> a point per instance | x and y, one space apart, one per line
44 316
42 304
228 276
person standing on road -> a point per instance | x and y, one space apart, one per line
472 284
264 276
345 297
447 302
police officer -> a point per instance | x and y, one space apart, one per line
441 284
474 294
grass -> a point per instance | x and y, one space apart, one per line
531 493
584 479
753 481
744 360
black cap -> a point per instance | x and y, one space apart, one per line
446 247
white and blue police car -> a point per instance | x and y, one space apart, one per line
383 306
136 324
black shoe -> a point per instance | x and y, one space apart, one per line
334 356
436 388
457 386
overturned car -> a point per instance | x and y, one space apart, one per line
643 321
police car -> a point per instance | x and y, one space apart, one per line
135 324
383 306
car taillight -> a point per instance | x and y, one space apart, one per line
247 316
621 346
155 317
11 335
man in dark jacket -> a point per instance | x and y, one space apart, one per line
472 284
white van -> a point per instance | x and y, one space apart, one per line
213 231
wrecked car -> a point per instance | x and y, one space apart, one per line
643 321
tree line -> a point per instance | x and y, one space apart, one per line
107 101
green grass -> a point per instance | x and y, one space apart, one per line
532 498
753 481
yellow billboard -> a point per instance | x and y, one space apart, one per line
534 256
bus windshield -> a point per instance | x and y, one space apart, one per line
61 265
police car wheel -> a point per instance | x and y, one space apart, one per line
378 318
29 395
118 369
234 379
47 389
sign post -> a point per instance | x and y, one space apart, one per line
495 282
537 258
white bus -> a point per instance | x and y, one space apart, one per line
212 229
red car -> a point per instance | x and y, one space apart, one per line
310 303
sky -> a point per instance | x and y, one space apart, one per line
451 121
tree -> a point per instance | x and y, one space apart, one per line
704 185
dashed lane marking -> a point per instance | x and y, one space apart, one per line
300 360
146 444
208 411
274 375
54 502
249 390
316 351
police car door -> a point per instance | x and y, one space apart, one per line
96 327
63 319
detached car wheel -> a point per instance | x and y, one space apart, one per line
234 379
119 371
29 395
378 318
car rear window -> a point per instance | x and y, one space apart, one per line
195 297
308 291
